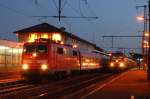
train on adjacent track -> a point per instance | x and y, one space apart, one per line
118 62
45 57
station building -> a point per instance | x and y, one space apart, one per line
11 51
48 31
10 55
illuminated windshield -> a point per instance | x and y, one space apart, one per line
35 48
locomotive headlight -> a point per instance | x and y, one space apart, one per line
44 66
121 64
111 64
34 54
25 66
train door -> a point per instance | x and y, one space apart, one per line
54 57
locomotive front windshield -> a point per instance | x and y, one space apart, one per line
117 57
35 48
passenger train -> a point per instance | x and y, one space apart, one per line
45 57
118 61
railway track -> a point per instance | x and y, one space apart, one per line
52 89
74 87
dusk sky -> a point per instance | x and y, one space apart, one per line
116 17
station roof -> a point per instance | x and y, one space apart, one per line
9 43
47 28
44 27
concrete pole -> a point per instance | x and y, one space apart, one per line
148 71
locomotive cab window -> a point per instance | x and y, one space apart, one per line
60 50
75 53
29 49
41 49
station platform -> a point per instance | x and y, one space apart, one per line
132 84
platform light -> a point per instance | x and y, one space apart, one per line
140 18
146 46
146 34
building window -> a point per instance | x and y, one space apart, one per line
56 37
32 37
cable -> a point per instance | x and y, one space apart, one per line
80 8
89 8
63 6
55 4
73 8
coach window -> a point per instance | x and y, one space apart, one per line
60 50
75 53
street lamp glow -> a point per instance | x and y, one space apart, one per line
145 42
146 46
146 34
140 18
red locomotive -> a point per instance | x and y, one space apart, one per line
44 57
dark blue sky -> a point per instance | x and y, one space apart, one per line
116 17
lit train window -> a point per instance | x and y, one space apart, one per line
41 48
29 48
65 51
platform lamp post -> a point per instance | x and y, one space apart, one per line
144 38
148 70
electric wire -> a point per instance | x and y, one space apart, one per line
78 12
55 4
80 8
90 9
